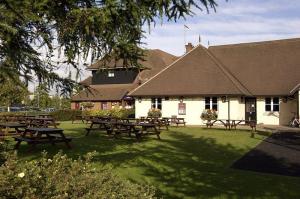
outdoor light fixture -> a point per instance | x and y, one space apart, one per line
284 99
140 99
181 99
224 99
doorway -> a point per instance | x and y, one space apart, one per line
250 108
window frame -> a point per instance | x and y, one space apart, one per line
272 104
156 103
211 103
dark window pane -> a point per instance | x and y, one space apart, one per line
268 100
214 100
159 106
159 103
153 103
268 107
275 107
215 107
207 100
275 100
207 106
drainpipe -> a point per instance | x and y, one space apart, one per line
228 100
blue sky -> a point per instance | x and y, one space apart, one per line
235 21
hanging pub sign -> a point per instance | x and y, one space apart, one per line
181 108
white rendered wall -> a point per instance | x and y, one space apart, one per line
265 117
142 107
195 106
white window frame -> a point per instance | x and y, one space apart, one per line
156 103
211 103
272 104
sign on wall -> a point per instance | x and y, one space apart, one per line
181 108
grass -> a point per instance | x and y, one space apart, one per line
185 163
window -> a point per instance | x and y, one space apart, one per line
272 104
211 103
104 106
156 103
111 74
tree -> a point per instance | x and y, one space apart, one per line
78 28
12 91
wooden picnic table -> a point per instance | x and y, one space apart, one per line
5 128
177 121
42 122
230 124
79 118
116 127
34 136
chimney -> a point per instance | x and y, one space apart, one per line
188 47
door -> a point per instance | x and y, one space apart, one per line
250 105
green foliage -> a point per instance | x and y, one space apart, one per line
78 28
12 91
3 146
153 112
209 115
87 105
65 114
61 177
115 112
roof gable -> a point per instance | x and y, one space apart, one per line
196 73
265 68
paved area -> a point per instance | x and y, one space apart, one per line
277 154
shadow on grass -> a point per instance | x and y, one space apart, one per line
181 165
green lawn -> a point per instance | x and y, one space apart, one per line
185 163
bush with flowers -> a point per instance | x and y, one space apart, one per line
153 112
62 177
209 115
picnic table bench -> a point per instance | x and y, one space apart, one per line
5 129
34 136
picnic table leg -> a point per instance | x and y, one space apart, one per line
88 130
157 132
17 145
65 139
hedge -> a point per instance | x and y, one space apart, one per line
65 115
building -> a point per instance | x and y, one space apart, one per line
109 86
251 81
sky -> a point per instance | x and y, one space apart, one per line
235 21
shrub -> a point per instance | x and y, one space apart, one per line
154 113
87 105
115 112
65 115
62 177
209 115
